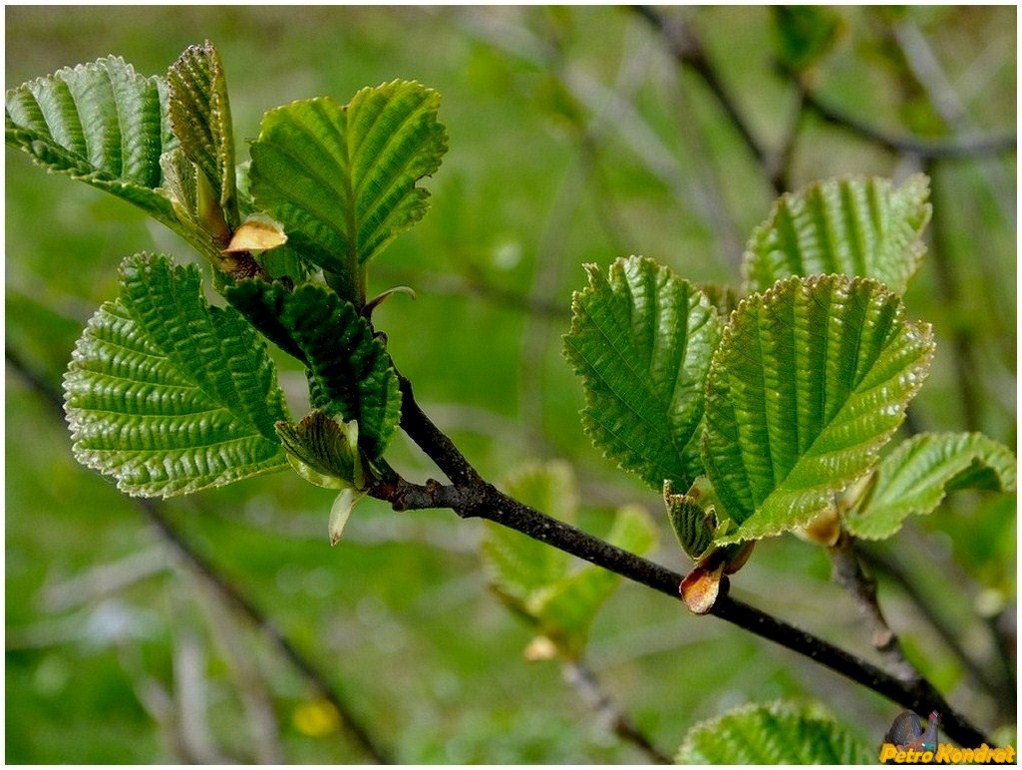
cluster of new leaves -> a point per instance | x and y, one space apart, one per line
777 413
168 394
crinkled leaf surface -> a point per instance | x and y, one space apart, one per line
773 734
170 395
914 478
855 226
101 123
349 371
200 116
809 382
342 179
641 341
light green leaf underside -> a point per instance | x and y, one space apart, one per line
857 227
641 341
915 477
566 609
101 123
200 116
169 395
809 382
773 734
517 565
349 371
342 179
536 579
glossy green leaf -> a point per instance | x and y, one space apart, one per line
915 477
641 341
169 395
349 371
200 116
855 226
810 380
778 733
101 123
343 179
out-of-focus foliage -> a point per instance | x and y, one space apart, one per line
573 138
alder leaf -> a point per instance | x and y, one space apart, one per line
916 476
343 178
777 733
169 395
853 226
810 380
349 371
200 116
323 450
100 123
641 341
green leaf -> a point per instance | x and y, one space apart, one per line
170 395
565 610
517 565
914 478
342 179
200 116
349 371
101 123
809 382
323 450
641 340
858 227
773 734
692 524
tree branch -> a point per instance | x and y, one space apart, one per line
585 683
959 147
688 51
477 498
228 592
848 573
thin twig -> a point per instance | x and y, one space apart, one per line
688 51
1002 691
955 148
588 686
847 572
230 593
478 498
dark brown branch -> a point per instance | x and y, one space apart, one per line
231 594
480 499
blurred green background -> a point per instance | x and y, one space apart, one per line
574 137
